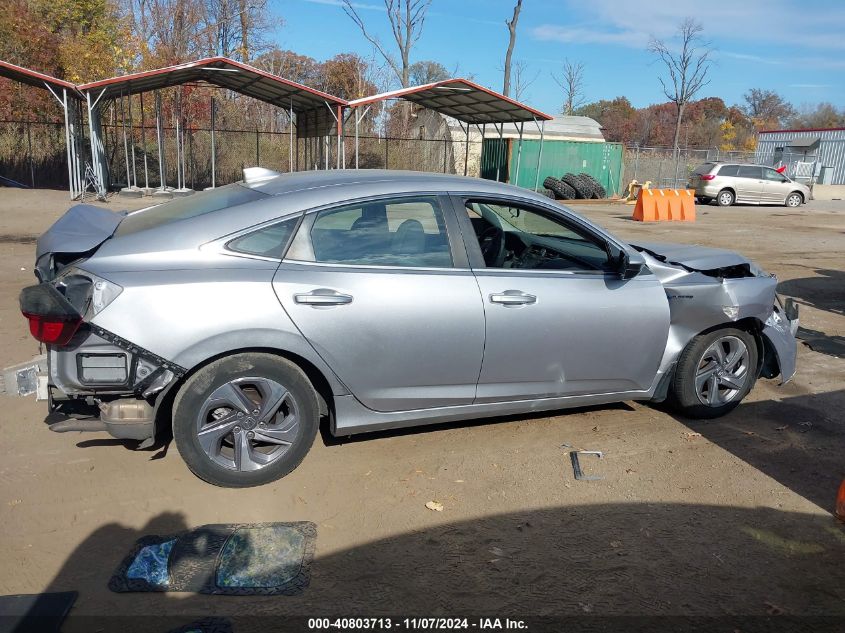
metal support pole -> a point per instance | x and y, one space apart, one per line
144 146
160 139
445 148
125 139
179 184
68 145
131 135
97 150
339 121
357 123
31 164
326 151
257 151
515 180
637 161
386 152
466 152
290 138
501 129
539 155
213 144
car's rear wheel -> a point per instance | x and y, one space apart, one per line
245 420
725 198
794 199
714 373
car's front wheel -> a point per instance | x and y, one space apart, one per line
794 199
245 420
715 372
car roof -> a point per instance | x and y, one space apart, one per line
387 179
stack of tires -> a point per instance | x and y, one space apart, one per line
574 187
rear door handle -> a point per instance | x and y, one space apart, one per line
322 297
513 298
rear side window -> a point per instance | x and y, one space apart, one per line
269 241
750 171
401 232
188 207
703 169
728 170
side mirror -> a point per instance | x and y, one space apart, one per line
629 264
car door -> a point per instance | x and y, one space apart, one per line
749 184
776 186
382 290
560 321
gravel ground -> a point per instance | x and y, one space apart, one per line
727 517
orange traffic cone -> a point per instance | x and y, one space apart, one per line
840 502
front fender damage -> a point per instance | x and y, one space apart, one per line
740 293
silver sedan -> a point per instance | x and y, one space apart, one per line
242 317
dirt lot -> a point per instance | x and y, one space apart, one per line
729 517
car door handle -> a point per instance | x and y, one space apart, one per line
513 298
322 297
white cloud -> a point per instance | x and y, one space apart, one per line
771 21
355 5
576 35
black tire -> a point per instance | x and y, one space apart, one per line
548 193
683 395
193 398
702 200
598 191
577 186
725 198
794 200
561 190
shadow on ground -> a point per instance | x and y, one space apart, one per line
823 292
799 442
597 560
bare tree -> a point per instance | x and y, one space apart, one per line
686 65
522 79
511 24
407 18
572 84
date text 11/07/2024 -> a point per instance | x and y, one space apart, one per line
415 624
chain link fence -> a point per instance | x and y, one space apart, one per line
667 168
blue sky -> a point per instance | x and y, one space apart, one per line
795 47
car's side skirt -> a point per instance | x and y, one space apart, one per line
352 417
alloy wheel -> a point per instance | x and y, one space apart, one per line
723 371
794 200
248 423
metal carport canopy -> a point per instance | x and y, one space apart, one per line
317 112
468 103
62 91
463 100
33 78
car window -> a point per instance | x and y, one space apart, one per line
269 241
749 171
703 169
399 232
771 174
728 170
199 203
514 236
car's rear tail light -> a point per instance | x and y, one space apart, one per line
53 330
707 176
52 319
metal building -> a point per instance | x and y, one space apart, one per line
816 155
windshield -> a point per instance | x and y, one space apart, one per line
188 207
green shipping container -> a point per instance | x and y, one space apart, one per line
603 161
